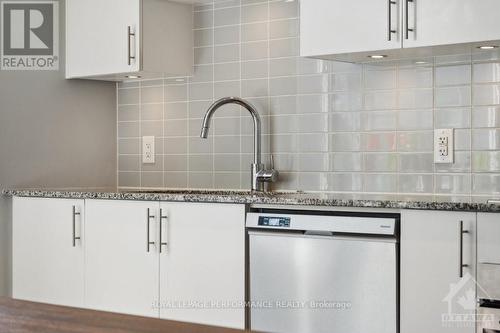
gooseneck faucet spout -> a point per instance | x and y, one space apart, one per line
259 174
255 117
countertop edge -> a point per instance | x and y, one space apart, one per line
247 198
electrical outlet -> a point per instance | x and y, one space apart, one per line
444 149
148 149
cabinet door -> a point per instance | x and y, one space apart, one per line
451 22
121 273
339 26
47 259
202 264
432 290
97 37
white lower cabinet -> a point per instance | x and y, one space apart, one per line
106 255
121 274
438 272
47 256
202 263
199 266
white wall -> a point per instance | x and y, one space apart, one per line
53 133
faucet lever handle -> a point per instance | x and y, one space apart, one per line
267 176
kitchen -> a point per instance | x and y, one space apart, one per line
264 165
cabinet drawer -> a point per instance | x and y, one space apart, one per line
488 238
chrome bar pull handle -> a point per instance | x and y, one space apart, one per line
461 256
407 24
148 240
130 34
75 214
389 14
162 217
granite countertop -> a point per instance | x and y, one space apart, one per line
275 198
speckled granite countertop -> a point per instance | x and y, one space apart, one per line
291 198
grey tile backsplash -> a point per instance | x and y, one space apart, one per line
331 126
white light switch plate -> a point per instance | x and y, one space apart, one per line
444 146
148 149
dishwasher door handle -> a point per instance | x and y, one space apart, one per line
319 235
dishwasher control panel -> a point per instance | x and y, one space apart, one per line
371 225
274 221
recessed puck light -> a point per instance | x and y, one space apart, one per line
377 56
487 47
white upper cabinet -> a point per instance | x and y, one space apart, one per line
48 251
97 37
398 29
445 22
114 39
340 26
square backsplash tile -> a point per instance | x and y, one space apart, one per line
331 126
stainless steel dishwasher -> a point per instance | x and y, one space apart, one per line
323 272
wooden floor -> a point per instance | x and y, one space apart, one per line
27 317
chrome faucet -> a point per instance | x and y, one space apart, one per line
260 175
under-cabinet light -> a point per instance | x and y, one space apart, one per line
487 47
